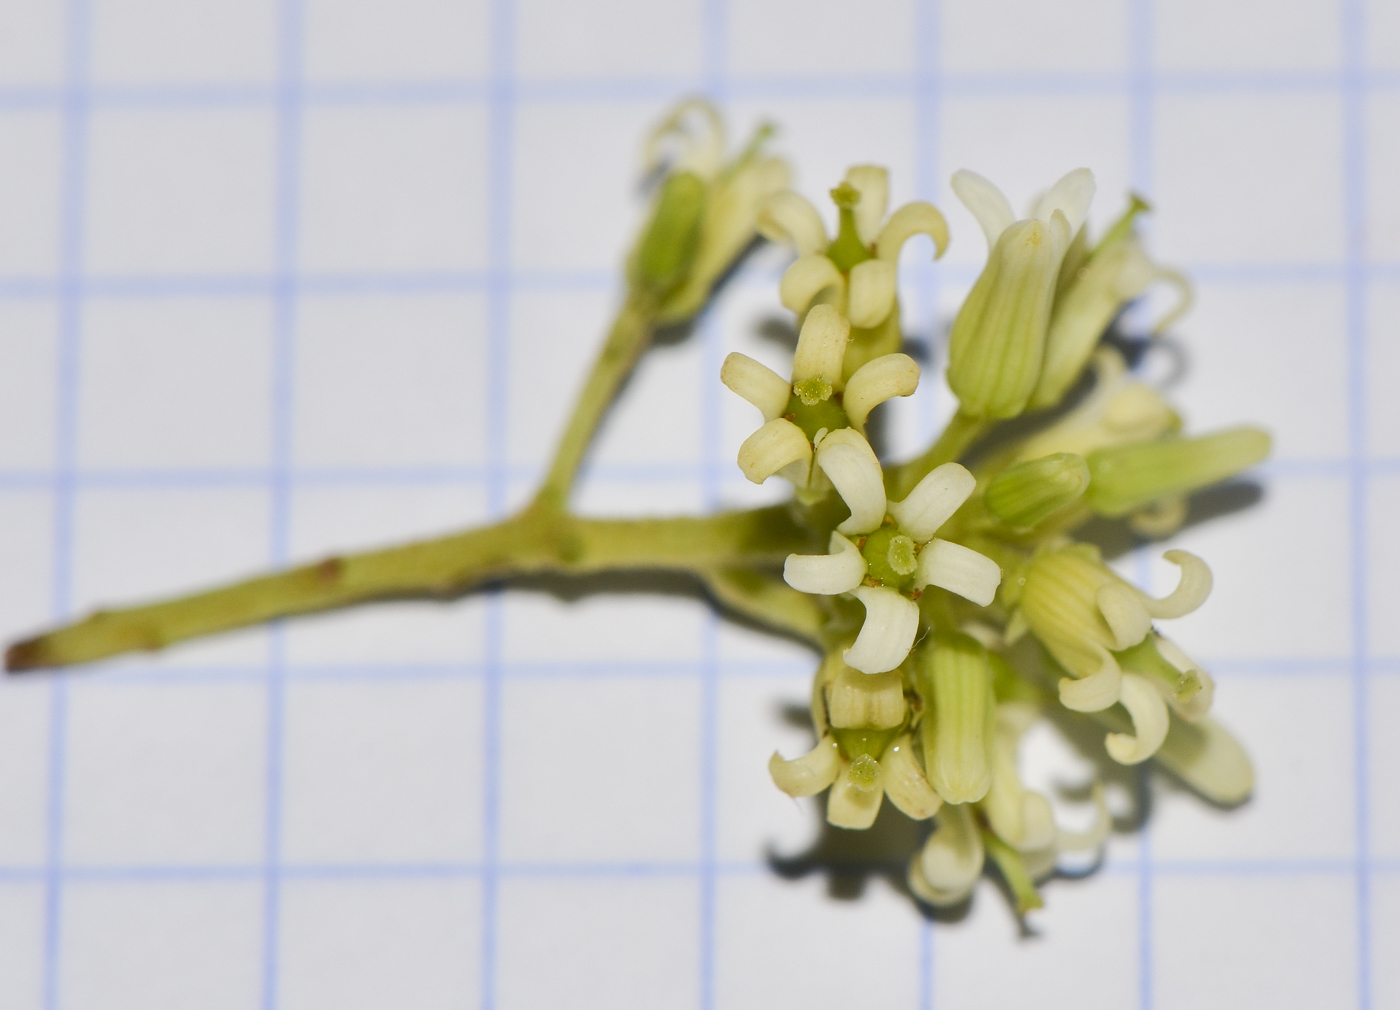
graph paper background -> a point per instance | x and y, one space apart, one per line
279 277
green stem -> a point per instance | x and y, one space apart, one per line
535 541
961 432
630 335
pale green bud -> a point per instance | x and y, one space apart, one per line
954 679
667 248
1025 494
998 339
1132 476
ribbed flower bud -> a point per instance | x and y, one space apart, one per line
1132 476
1025 494
667 250
998 338
954 679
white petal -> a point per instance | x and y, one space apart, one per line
1121 606
1038 822
872 293
918 218
1209 760
1095 692
695 127
891 622
806 278
846 457
809 774
1150 722
904 781
789 219
873 183
1071 196
849 806
933 501
776 445
952 857
1097 833
960 570
877 381
757 383
987 203
1190 592
828 574
821 346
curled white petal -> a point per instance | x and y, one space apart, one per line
960 570
1150 722
701 151
850 805
876 381
1122 607
827 574
1097 691
871 293
1190 592
1038 822
933 501
821 346
987 203
1071 196
806 278
846 457
775 446
789 219
809 774
873 184
951 860
1095 835
917 218
905 783
887 635
757 383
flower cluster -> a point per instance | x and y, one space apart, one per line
960 605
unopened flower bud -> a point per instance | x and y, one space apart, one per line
1131 476
955 681
667 249
998 338
1025 494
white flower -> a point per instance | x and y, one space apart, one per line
815 400
894 554
856 269
865 752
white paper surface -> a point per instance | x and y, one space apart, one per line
282 278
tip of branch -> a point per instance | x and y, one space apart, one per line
32 654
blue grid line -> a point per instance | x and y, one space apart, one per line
661 88
1354 161
287 211
502 104
75 112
